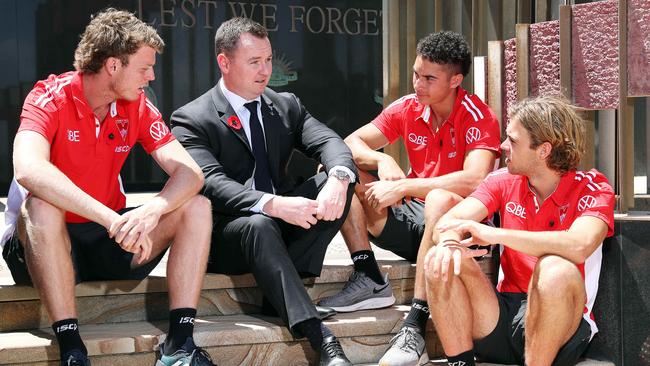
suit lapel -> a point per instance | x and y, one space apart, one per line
271 121
228 117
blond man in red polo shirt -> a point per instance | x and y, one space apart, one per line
452 140
66 206
554 219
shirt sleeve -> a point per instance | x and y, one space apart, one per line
391 122
489 192
153 132
481 128
598 200
39 113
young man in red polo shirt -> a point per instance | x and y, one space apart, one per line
452 140
554 219
66 207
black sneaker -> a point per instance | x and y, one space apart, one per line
331 353
75 358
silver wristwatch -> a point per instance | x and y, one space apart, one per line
340 175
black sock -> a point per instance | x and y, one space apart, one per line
464 359
364 261
418 315
181 327
67 336
315 331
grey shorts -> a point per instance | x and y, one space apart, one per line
506 342
403 231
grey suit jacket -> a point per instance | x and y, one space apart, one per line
207 129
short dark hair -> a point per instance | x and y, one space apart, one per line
446 48
227 36
113 33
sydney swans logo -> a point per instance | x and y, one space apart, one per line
282 73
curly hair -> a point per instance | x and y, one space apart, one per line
228 33
554 120
446 48
113 33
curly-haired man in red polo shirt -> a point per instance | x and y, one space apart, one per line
66 206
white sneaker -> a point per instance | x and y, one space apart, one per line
407 348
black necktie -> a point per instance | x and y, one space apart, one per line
262 172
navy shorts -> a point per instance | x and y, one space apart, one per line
404 230
95 256
506 342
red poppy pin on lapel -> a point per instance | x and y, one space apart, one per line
234 122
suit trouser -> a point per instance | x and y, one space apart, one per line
278 254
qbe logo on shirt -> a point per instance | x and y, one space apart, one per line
516 209
73 135
419 140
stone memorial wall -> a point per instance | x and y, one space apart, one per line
329 53
510 79
638 47
594 55
544 46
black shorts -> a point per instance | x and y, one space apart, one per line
95 256
403 231
506 342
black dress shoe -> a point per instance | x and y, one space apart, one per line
325 312
331 353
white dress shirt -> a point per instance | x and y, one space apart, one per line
237 104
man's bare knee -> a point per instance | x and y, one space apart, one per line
556 276
198 207
42 214
438 202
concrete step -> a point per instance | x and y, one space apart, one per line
584 362
230 340
134 301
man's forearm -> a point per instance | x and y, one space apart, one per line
48 183
367 159
565 244
461 182
182 184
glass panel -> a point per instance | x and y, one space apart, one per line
641 120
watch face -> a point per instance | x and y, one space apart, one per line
341 175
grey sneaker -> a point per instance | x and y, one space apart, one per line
407 348
360 292
188 355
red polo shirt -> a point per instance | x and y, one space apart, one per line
432 153
578 194
57 109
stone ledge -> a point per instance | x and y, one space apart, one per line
231 340
129 301
330 274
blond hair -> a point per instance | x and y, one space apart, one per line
113 33
554 120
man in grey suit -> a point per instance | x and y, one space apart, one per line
243 135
